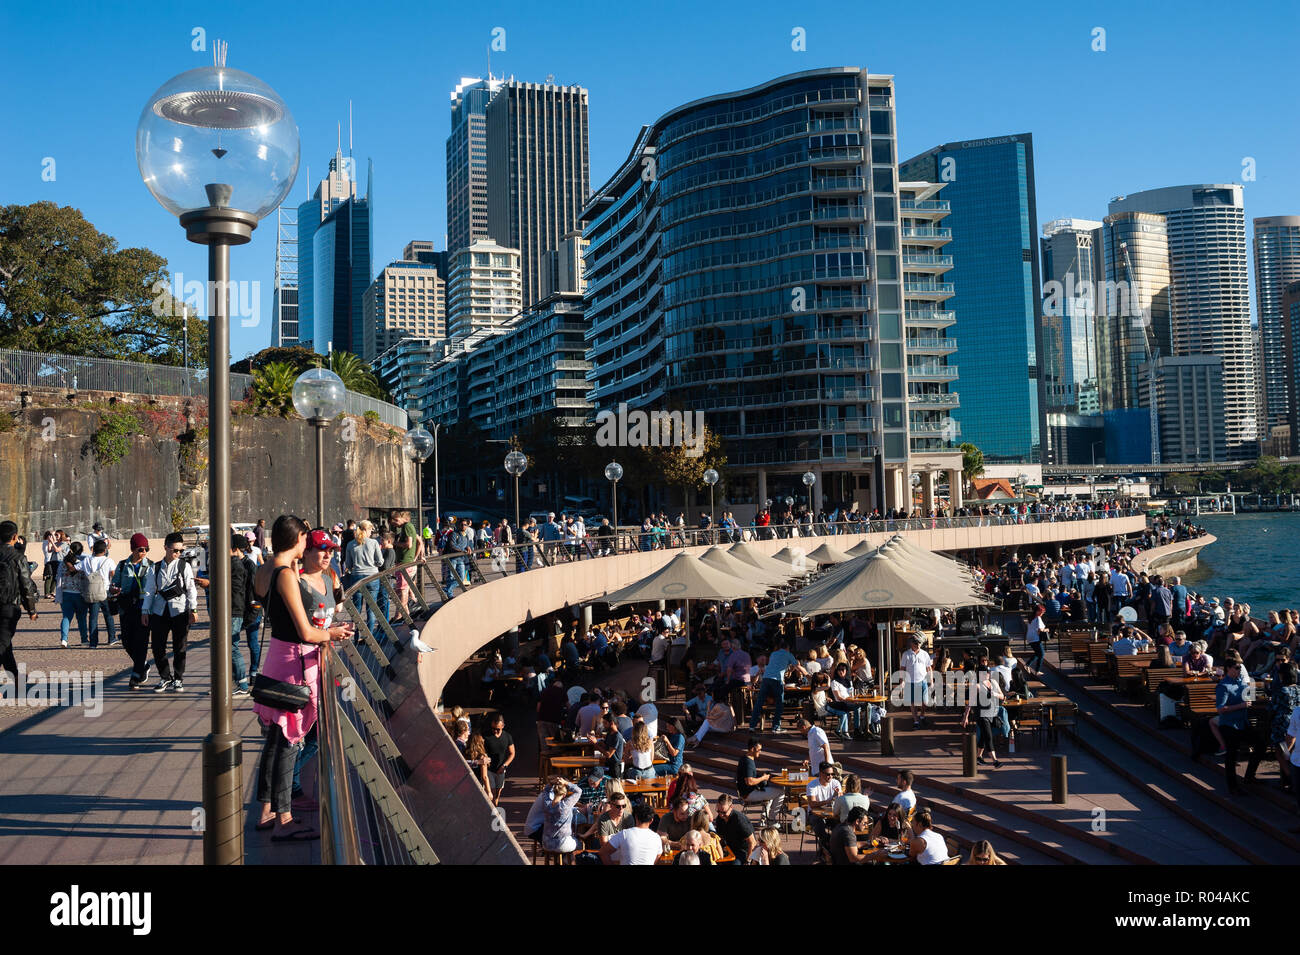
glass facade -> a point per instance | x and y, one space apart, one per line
1277 263
989 185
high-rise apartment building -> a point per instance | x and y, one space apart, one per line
467 189
1133 321
1189 408
1073 290
1277 264
483 288
406 300
995 277
537 171
745 262
1289 308
1209 297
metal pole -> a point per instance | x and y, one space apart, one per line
1060 779
223 795
437 490
615 483
516 500
713 520
319 425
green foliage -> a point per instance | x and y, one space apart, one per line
296 356
371 416
183 513
111 441
273 388
194 450
67 288
972 462
357 375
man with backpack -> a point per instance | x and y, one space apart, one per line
98 569
128 590
169 608
17 593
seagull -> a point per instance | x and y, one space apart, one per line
416 643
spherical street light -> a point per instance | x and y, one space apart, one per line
516 464
809 479
614 474
710 477
613 471
215 126
218 148
417 444
318 394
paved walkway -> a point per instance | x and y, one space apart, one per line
122 786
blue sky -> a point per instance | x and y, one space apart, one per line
1182 93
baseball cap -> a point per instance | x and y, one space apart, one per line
139 540
319 540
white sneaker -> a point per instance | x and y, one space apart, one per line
163 686
64 644
777 730
177 686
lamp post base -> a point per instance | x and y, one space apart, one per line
223 800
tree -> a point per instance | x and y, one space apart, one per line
972 463
357 375
295 356
67 288
273 388
681 466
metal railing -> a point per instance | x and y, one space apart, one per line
77 373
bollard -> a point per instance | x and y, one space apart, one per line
968 753
1060 786
887 735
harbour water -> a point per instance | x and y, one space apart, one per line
1250 561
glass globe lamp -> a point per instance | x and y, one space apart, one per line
516 463
217 137
417 444
613 471
710 477
318 394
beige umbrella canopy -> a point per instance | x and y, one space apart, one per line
730 564
884 581
797 559
685 577
756 558
862 547
927 558
826 554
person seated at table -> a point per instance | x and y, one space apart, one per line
769 851
636 845
811 666
641 753
892 825
692 850
593 796
1197 661
1180 648
1125 644
677 821
588 715
557 834
928 847
462 735
843 842
753 785
721 718
906 794
841 688
851 797
697 707
609 747
702 822
824 788
981 853
734 828
670 746
684 784
535 821
860 667
621 719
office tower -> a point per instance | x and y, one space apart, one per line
1133 318
1072 275
338 186
562 267
1189 406
467 216
340 253
990 189
1289 309
483 288
284 290
406 300
760 284
1277 264
1209 299
537 171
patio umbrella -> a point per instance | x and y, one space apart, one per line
826 554
860 548
927 559
686 577
797 559
730 564
756 558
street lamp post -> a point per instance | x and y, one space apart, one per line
318 396
711 478
614 474
516 464
437 487
417 444
218 148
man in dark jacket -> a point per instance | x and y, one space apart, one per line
16 589
239 584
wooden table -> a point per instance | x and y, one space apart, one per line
656 789
866 699
562 763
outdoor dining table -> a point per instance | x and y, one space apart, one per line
574 763
655 789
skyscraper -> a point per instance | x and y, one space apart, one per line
1209 300
483 288
284 290
467 188
1133 322
995 276
537 171
1277 264
340 255
406 300
337 186
745 263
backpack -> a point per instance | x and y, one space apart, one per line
96 587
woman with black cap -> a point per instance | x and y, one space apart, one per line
127 592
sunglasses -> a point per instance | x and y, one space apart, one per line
173 550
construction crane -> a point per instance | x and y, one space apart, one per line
1150 349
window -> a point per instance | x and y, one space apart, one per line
882 180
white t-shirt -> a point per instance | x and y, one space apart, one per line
936 850
637 846
916 664
819 793
1293 729
587 718
906 799
102 565
650 714
1035 632
817 747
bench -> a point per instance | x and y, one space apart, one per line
1200 700
1130 671
1099 658
1154 677
1079 641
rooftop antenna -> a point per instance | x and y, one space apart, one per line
489 53
349 129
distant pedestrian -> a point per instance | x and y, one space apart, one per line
17 593
169 608
128 590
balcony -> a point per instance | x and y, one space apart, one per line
839 184
924 207
850 394
840 214
919 400
931 346
932 372
947 428
930 318
835 156
829 274
926 235
929 291
918 262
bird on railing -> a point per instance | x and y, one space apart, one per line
417 645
